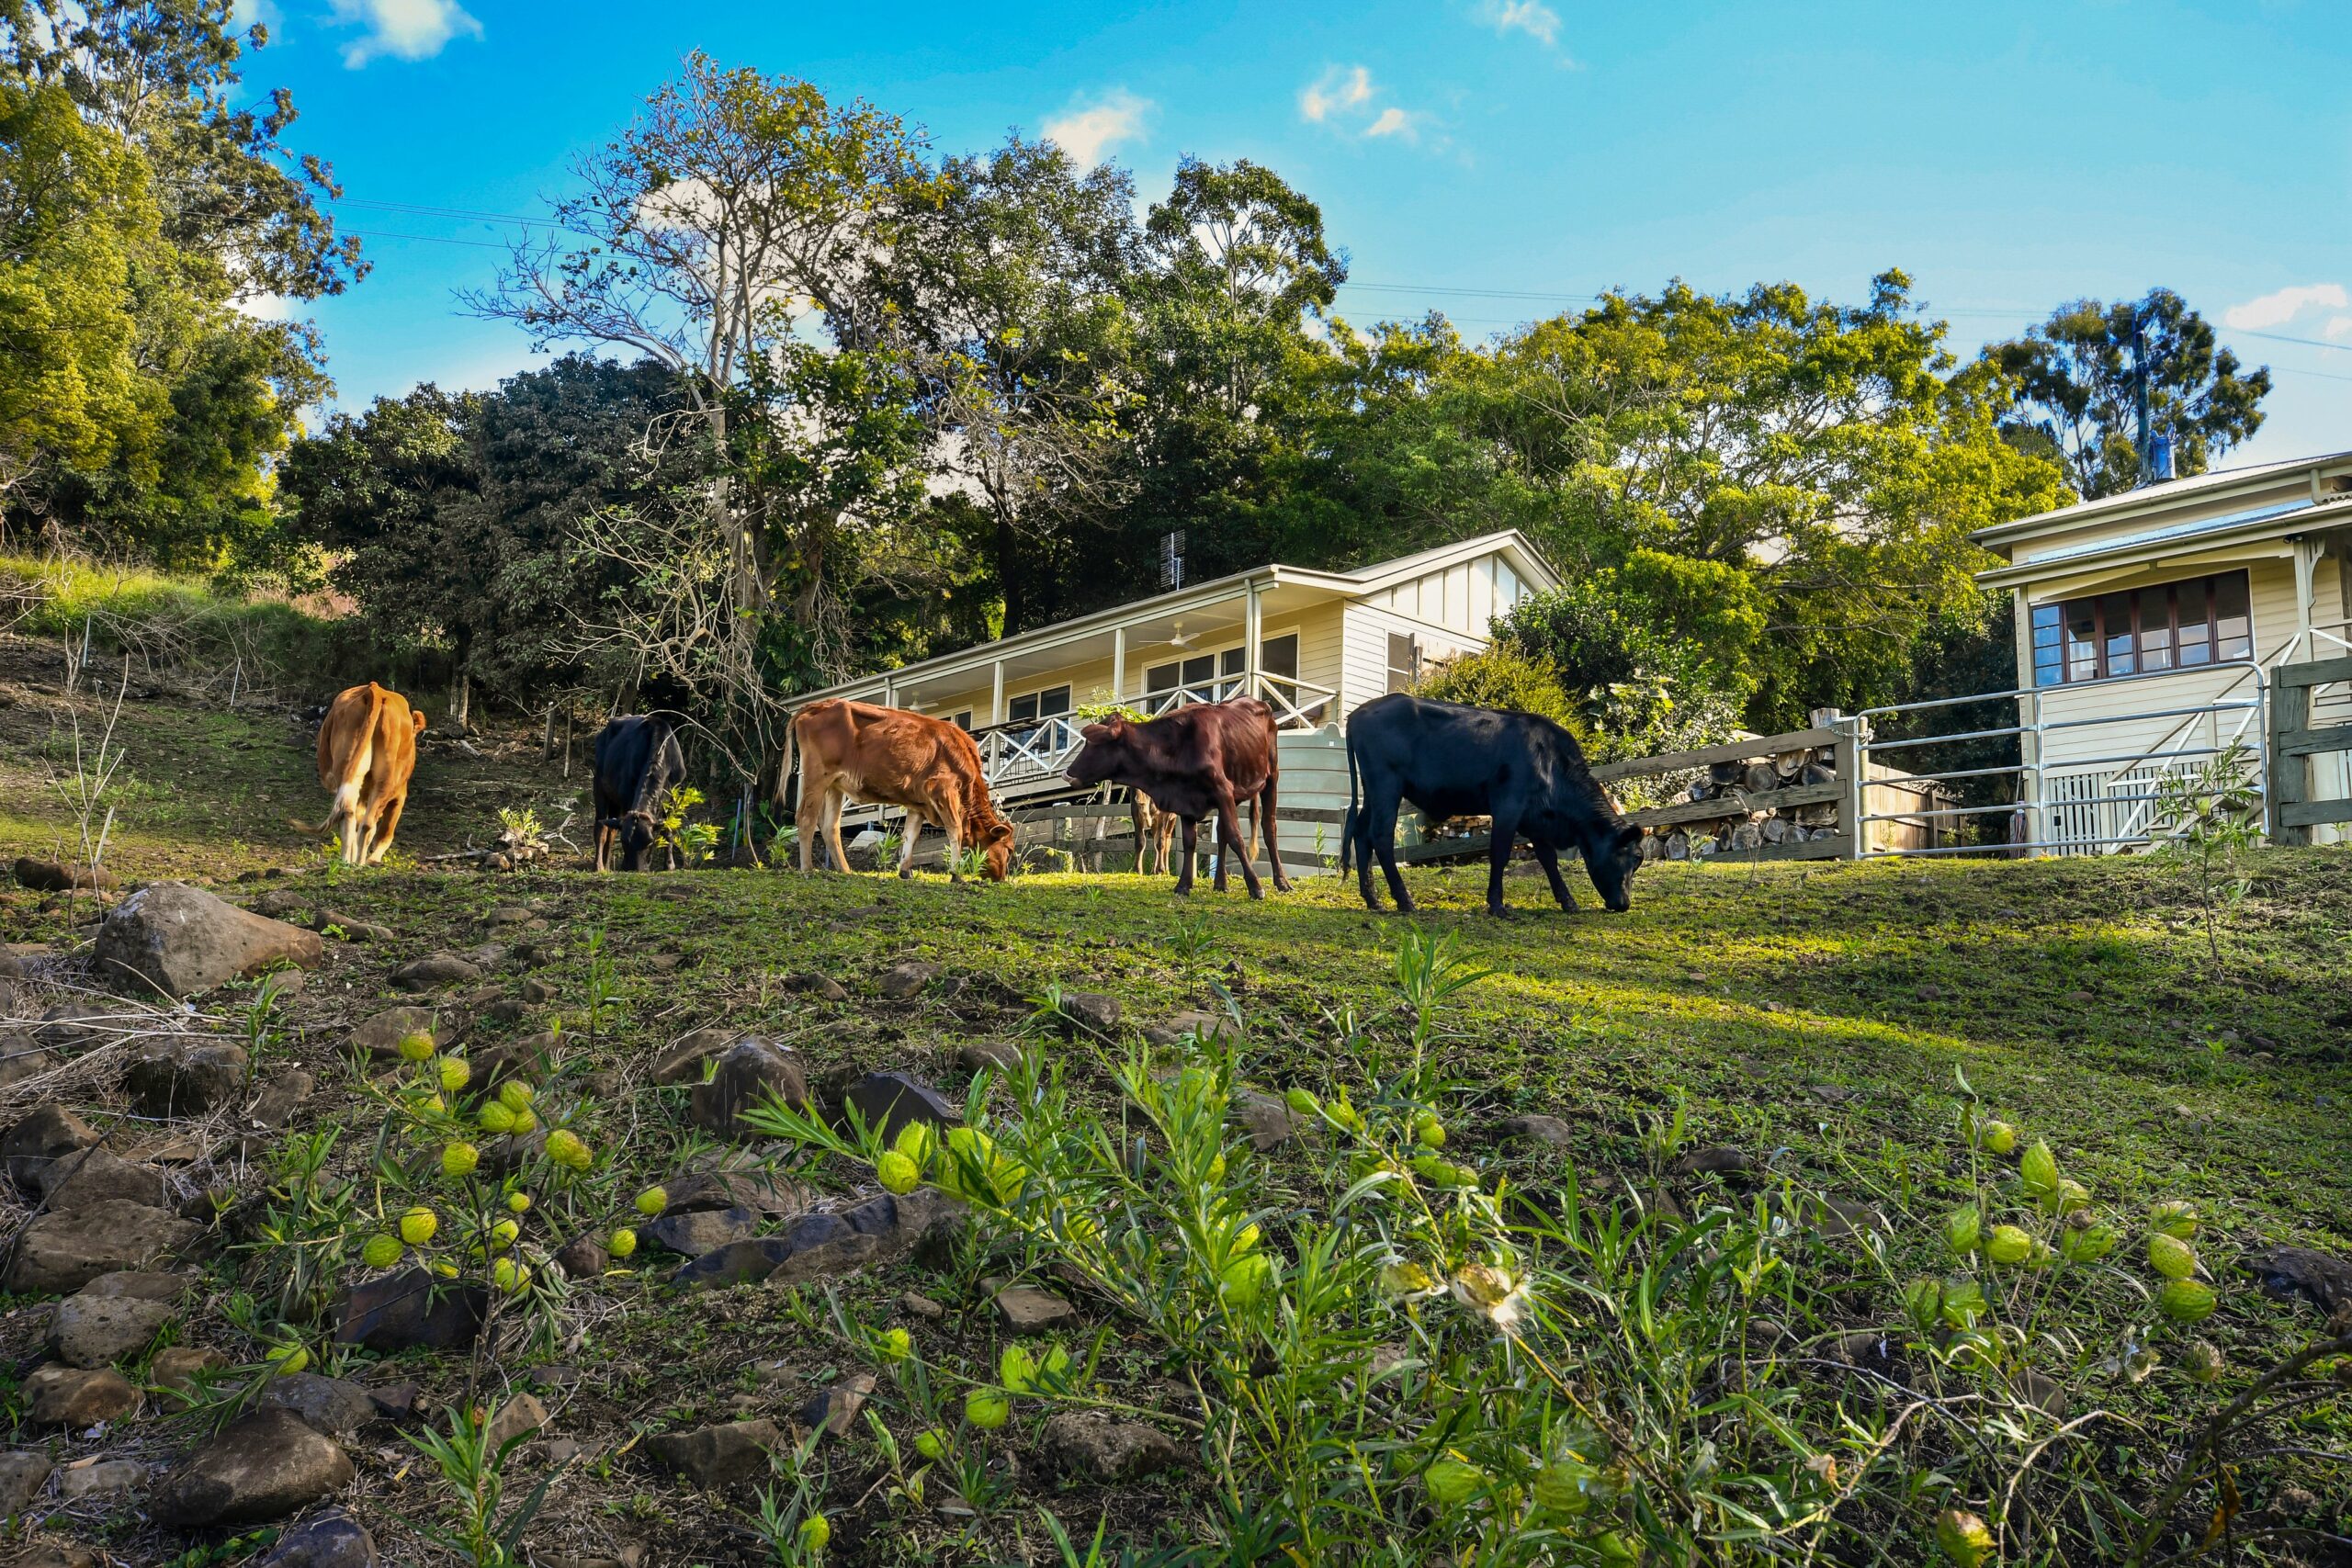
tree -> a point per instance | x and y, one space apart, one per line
2078 379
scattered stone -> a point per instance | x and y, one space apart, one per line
824 988
97 1331
693 1232
488 955
1536 1128
77 1397
509 915
1205 1027
273 1106
53 876
686 1060
380 1038
56 1554
2289 1271
2044 1392
63 1252
1093 1448
1264 1117
330 1541
538 993
405 1309
20 1058
505 1010
834 1409
434 971
522 1415
41 1138
351 928
2081 998
261 1468
330 1406
396 1401
751 1073
1024 1309
100 1478
903 979
84 1024
182 1078
1091 1011
922 1306
2295 1502
1717 1159
714 1456
1833 1093
523 1057
890 1101
756 1188
176 1369
136 1284
23 1472
95 1175
1844 1219
181 941
584 1258
989 1056
819 1244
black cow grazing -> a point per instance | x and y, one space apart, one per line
1198 761
1526 772
638 760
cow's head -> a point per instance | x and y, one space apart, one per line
636 840
994 840
1613 853
1108 751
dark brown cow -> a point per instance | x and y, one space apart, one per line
891 757
1197 762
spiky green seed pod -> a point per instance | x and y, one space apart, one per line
495 1118
567 1149
2204 1362
2068 1197
1016 1368
460 1159
509 1276
894 1345
2037 1169
288 1360
2087 1244
1429 1131
1560 1487
987 1409
2174 1218
1453 1482
418 1226
1303 1101
1923 1300
516 1095
621 1243
2008 1246
1243 1280
1962 1228
454 1074
381 1251
2171 1257
2185 1300
898 1173
1995 1138
1963 1537
931 1444
416 1047
814 1533
652 1200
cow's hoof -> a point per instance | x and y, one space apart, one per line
1499 913
905 873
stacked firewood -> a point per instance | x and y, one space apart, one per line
1741 827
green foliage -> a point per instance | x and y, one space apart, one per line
1506 677
2207 822
690 842
471 1468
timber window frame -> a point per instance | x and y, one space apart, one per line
2183 623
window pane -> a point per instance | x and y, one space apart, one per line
2194 609
2081 641
2046 667
2115 631
2233 617
1160 678
1404 662
1232 661
1200 669
2155 628
1050 703
1020 710
1279 656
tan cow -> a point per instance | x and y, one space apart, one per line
367 752
890 757
1155 832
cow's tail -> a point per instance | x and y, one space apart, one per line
1348 823
363 756
784 768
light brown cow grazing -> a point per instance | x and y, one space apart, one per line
367 752
891 757
1155 833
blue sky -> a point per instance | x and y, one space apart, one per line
1497 159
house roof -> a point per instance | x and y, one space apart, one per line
2234 527
2203 487
1372 578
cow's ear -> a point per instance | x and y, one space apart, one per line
1629 836
1098 731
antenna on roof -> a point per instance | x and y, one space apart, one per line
2156 450
1172 558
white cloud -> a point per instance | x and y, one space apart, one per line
2337 327
2276 310
1393 121
1532 17
405 29
1341 90
1088 132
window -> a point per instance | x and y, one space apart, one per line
961 721
1030 707
1404 662
2171 625
1209 676
1279 656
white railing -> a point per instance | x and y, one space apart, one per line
1298 704
1027 754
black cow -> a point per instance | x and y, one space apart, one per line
638 760
1526 772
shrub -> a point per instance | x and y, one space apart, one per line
1505 676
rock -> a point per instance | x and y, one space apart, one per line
396 1401
73 1396
1714 1160
177 1369
749 1072
380 1038
88 1331
715 1456
42 1137
519 1416
23 1472
54 1554
138 1285
1844 1219
584 1258
922 1306
893 1101
1535 1129
693 1232
2289 1271
752 1187
538 993
85 1023
1265 1119
833 1409
434 971
1091 1011
261 1468
989 1056
20 1058
824 988
1024 1309
1205 1027
100 1478
95 1175
404 1310
61 1252
1092 1446
814 1245
180 1078
53 876
273 1106
903 979
685 1061
332 1405
330 1541
182 941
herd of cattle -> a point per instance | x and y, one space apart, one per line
1195 763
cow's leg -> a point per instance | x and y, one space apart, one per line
835 799
1379 827
1192 855
1269 830
1549 859
916 821
953 828
1506 836
388 823
604 842
809 815
1228 827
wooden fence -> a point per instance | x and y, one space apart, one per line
2294 742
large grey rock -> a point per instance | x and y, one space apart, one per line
23 1472
178 940
57 1554
893 1101
330 1541
816 1245
1091 1011
78 1397
715 1456
39 1139
97 1331
1091 1447
434 971
690 1233
185 1078
136 1285
261 1468
332 1405
179 1369
749 1072
103 1478
95 1175
408 1308
60 1252
754 1186
689 1056
2320 1278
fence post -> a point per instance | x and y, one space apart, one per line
1852 756
2290 705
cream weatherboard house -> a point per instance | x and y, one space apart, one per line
1314 645
2151 628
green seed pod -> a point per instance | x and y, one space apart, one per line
454 1074
516 1095
381 1251
460 1159
1963 1227
1617 1549
2037 1168
1560 1487
1963 1537
1302 1102
931 1444
1016 1368
652 1202
2008 1246
1429 1131
1995 1138
416 1047
566 1148
987 1409
1963 1301
814 1534
2087 1244
2068 1197
495 1118
1452 1483
2204 1362
2171 1257
896 1172
1924 1301
2185 1300
2174 1218
621 1243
